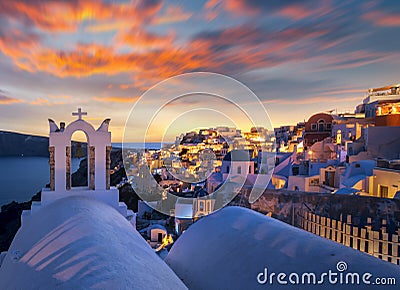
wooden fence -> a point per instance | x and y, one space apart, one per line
380 244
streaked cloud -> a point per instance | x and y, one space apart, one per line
65 16
62 97
116 99
291 9
172 14
4 100
349 60
109 25
383 18
141 39
312 100
52 100
41 102
61 54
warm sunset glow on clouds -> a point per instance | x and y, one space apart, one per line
4 100
380 18
115 99
173 14
58 55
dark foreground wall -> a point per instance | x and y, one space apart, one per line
285 205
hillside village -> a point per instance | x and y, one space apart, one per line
349 156
355 153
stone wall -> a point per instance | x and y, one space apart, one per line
285 205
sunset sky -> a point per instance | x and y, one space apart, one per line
298 57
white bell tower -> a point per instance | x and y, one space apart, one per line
99 149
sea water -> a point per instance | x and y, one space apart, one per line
23 177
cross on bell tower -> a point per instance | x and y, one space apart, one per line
79 113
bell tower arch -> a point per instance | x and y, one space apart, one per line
99 146
99 160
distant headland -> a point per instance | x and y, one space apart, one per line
19 144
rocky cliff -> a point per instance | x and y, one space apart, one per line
16 144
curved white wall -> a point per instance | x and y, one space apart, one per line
230 248
80 243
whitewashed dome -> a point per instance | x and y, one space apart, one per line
80 243
229 248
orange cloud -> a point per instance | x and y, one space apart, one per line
52 100
111 25
145 40
295 12
126 86
210 4
384 19
240 6
85 60
67 15
48 16
172 14
4 100
116 99
16 44
148 57
221 51
41 102
211 15
63 97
